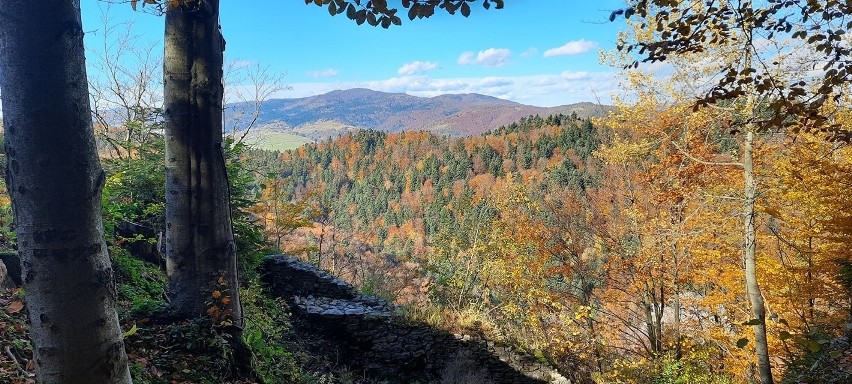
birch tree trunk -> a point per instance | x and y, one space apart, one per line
55 181
200 248
755 296
749 245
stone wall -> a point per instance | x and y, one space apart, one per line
368 334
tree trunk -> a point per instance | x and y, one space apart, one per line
200 248
650 327
677 317
749 245
55 181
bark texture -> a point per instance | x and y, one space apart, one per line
758 309
55 181
200 248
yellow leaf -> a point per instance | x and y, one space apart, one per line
131 331
217 294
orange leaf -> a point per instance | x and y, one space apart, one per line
15 307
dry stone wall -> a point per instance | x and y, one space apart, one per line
368 334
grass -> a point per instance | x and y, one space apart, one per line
276 141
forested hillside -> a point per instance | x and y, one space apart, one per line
612 247
424 183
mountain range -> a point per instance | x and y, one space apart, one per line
327 115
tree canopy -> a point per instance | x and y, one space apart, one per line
373 12
815 29
377 12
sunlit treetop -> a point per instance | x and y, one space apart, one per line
688 27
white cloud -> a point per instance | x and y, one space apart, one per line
545 90
330 72
575 47
491 57
415 67
531 51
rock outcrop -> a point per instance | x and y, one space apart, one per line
369 335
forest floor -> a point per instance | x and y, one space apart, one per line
184 352
16 362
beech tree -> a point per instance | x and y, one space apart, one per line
55 181
200 248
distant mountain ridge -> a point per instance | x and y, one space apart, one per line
335 112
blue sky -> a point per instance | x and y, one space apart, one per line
539 52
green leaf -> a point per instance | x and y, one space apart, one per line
784 335
835 354
332 9
752 322
465 9
131 331
814 347
741 343
253 337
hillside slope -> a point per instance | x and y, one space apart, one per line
327 115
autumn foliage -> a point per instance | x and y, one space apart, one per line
611 249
